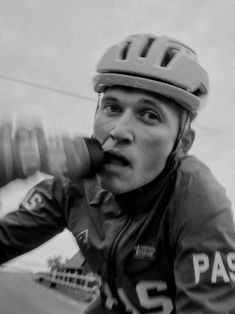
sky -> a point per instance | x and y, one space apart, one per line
49 52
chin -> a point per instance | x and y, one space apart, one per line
114 186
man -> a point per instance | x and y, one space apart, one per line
154 223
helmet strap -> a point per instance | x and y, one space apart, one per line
174 156
98 102
183 125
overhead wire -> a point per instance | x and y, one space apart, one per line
214 130
52 89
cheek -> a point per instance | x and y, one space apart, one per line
102 128
156 151
98 127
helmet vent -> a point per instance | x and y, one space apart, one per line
169 55
200 91
124 51
147 47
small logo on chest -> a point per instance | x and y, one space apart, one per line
144 251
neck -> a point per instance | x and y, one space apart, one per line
144 197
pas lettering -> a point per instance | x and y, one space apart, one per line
218 268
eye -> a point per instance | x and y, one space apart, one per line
150 116
111 108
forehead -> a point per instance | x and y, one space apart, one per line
119 92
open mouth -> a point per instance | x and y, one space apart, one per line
116 159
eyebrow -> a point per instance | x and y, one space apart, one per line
144 99
152 102
109 98
149 101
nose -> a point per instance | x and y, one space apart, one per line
122 131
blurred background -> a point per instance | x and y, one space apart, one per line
48 55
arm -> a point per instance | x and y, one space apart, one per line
26 151
205 268
39 217
204 247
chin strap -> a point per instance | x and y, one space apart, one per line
174 154
185 120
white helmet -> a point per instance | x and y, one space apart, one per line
158 64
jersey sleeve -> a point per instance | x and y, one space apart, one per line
39 217
204 263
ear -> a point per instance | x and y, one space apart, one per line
186 141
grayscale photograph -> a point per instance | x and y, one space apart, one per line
117 157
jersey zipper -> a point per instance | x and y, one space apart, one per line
112 257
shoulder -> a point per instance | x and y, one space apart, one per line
88 189
199 198
95 194
202 239
60 188
197 184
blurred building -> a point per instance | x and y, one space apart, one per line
74 278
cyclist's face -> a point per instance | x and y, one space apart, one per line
137 130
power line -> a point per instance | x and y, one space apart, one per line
214 130
52 89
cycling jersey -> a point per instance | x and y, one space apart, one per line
167 248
